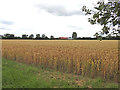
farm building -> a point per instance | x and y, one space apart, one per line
64 38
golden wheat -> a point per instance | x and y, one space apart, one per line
87 58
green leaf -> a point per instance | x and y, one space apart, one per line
100 7
114 22
96 15
105 29
107 15
96 8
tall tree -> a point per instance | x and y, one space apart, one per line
12 36
107 15
37 36
31 36
51 37
43 35
9 36
74 35
24 36
46 37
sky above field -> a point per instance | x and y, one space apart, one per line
50 17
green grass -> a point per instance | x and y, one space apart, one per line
19 75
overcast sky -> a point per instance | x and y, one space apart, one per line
50 17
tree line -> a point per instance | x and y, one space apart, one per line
44 37
24 36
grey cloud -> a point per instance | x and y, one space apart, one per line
6 22
4 28
75 27
59 10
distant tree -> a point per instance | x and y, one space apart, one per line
24 36
74 35
51 37
107 15
37 36
31 36
46 37
9 36
12 36
17 37
43 35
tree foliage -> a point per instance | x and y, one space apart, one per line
51 37
31 36
74 35
9 36
24 36
37 36
43 35
107 15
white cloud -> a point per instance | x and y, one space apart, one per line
28 18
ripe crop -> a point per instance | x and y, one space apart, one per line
82 57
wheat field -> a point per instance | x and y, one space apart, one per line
92 58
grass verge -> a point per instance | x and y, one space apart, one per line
19 75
